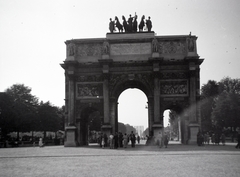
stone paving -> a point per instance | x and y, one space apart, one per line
176 160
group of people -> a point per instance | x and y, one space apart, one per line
118 140
215 139
162 140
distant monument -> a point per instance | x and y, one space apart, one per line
130 25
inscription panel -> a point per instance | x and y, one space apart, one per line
130 49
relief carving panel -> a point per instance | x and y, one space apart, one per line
172 47
89 49
174 87
130 49
89 90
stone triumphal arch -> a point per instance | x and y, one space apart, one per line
98 70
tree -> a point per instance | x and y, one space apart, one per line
48 118
129 129
24 107
6 114
122 128
226 113
209 92
173 120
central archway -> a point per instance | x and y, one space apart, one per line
132 109
126 84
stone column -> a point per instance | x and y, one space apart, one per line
113 114
193 123
106 101
150 113
106 127
157 126
70 129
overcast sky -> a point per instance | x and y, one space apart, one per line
32 35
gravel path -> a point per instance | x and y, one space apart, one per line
176 160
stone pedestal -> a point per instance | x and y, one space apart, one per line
105 56
193 130
155 55
156 128
70 136
107 129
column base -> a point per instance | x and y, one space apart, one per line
70 136
156 128
193 131
107 129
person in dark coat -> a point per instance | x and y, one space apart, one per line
165 139
120 139
199 138
133 139
238 139
115 140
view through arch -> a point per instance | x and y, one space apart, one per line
132 108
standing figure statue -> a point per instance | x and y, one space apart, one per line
111 26
130 27
125 25
190 43
154 45
135 24
118 25
149 24
142 23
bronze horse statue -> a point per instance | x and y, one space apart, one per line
118 25
142 23
135 24
125 25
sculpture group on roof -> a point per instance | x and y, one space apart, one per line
130 25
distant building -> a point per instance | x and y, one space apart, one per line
139 130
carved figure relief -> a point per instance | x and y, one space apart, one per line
89 50
154 45
172 47
190 44
128 49
89 90
105 48
143 78
173 87
71 49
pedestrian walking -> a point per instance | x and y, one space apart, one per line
120 139
213 138
200 138
238 140
133 139
138 139
40 143
102 142
223 138
115 140
165 140
111 141
159 139
125 140
208 138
